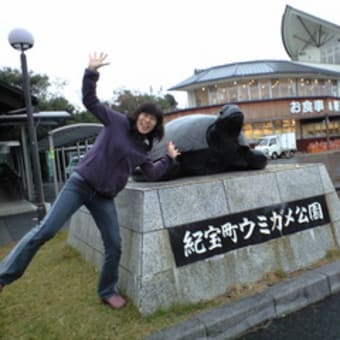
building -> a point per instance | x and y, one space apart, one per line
16 179
55 149
300 95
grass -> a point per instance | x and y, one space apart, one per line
333 254
56 299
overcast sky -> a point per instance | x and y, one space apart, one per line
151 43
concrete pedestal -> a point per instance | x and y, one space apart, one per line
150 213
17 217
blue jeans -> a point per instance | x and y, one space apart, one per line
75 193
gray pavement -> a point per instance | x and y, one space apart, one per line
235 319
319 321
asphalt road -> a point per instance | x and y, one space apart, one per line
320 321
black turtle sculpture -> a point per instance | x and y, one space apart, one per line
209 144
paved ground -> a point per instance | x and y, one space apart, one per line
320 321
307 306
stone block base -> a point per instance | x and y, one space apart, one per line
152 272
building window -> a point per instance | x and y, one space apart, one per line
213 95
202 97
257 131
232 91
291 87
275 86
319 88
253 89
334 87
277 126
301 90
330 87
330 54
288 125
248 131
222 94
243 91
254 131
287 88
337 55
264 89
261 129
319 129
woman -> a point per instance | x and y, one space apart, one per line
121 146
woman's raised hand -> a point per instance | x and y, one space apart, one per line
97 60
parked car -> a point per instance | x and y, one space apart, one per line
71 164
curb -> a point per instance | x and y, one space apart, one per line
236 318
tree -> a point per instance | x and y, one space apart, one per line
40 88
127 101
56 104
124 100
83 117
39 83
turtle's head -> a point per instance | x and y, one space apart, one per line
226 127
230 121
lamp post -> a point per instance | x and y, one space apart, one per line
22 40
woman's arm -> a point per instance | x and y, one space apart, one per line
155 170
89 93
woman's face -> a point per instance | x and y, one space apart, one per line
146 122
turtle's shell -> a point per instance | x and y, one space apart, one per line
188 133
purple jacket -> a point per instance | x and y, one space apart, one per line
116 152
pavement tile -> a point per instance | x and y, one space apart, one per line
235 318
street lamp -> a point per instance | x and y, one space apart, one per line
22 40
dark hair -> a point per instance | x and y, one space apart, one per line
150 108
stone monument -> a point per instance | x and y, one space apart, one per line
191 239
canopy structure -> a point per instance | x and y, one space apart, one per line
70 135
301 31
13 125
66 138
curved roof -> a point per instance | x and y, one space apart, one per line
300 30
70 135
255 68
